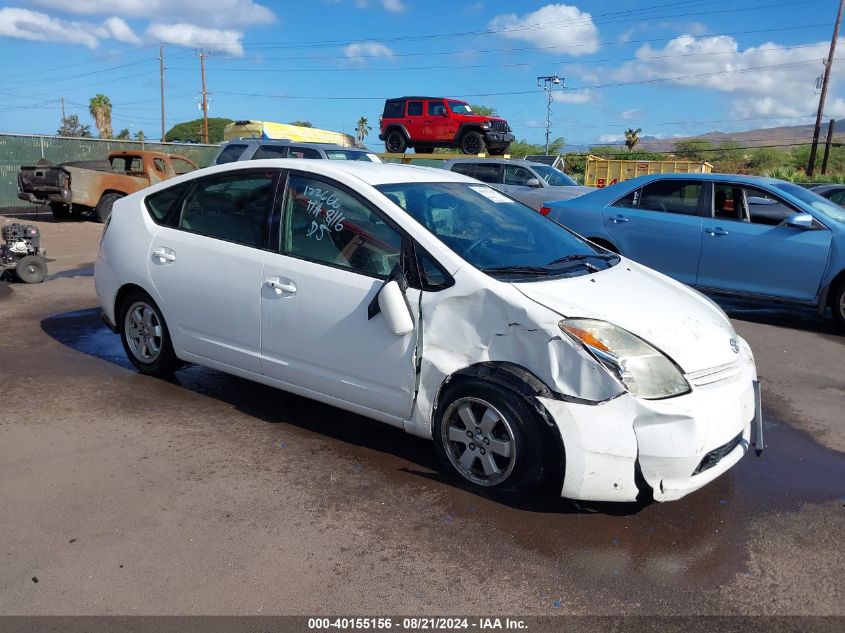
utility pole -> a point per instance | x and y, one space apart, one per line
811 164
830 127
63 111
548 84
161 76
202 56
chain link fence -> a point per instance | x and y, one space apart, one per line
25 149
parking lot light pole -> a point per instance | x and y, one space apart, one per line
548 84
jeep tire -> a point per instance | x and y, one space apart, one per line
395 142
473 143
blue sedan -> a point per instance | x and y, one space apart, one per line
758 238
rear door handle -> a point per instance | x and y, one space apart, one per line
164 255
717 232
280 286
618 219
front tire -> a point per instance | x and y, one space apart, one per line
145 337
473 143
837 303
395 142
104 206
489 436
31 269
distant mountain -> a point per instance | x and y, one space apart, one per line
785 136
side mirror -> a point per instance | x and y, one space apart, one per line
532 182
394 307
444 113
802 221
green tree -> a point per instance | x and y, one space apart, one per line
632 137
72 127
189 131
123 135
100 108
301 123
694 149
362 130
484 110
140 136
768 158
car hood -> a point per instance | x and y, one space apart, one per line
568 191
675 319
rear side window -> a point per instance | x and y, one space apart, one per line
270 151
303 152
671 196
159 165
230 154
487 173
436 108
394 109
234 207
163 206
415 108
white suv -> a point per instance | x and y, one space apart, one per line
432 302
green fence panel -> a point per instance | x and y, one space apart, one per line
22 149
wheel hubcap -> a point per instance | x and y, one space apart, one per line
143 332
479 441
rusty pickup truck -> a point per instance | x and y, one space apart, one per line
94 186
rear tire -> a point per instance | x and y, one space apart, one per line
489 436
60 210
145 337
104 206
837 303
395 142
473 143
31 269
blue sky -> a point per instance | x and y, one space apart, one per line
672 68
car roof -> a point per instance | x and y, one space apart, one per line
493 161
287 141
415 97
371 173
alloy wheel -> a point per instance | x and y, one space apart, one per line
143 332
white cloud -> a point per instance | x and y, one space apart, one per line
782 85
40 27
574 96
357 54
611 138
220 13
685 28
394 6
116 29
630 115
195 36
554 25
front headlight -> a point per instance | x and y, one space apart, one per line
644 370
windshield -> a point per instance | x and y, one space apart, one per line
345 154
459 107
497 234
814 200
553 177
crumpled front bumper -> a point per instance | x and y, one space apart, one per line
677 444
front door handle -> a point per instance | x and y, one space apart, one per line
280 286
164 255
618 219
717 232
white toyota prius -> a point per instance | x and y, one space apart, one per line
434 303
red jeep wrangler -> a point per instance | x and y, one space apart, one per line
428 122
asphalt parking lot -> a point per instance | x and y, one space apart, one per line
207 494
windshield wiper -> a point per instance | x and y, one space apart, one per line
581 257
517 270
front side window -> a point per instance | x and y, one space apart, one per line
554 177
324 223
230 153
270 151
515 175
459 107
234 207
497 234
748 204
467 169
159 164
181 166
415 108
671 196
838 197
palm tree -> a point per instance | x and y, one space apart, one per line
363 130
100 109
632 137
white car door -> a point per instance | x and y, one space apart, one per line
206 263
334 253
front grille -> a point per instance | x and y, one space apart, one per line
715 456
714 374
499 126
